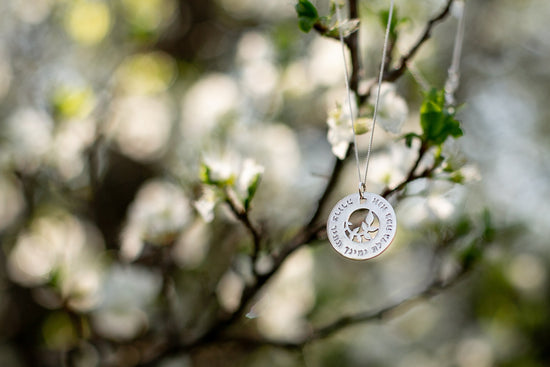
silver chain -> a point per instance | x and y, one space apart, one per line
453 75
363 179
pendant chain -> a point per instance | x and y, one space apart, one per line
363 179
453 75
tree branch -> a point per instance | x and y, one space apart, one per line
394 74
353 44
329 188
243 217
433 288
312 231
430 290
411 176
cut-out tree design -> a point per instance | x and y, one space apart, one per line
362 232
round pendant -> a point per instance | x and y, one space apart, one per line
361 229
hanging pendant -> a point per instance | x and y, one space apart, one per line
361 228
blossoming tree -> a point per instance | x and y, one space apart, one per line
167 167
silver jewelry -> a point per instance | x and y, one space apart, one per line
368 238
377 221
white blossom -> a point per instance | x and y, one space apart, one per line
140 125
222 167
229 290
127 294
192 246
158 215
227 170
436 202
282 309
208 102
392 108
29 137
392 113
249 175
206 204
340 131
325 63
70 142
62 251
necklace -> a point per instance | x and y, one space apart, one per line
362 225
453 73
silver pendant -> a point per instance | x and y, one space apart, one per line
361 228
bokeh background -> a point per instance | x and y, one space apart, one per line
108 108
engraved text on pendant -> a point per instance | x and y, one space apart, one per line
373 231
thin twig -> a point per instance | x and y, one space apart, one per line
329 188
411 176
243 217
432 289
353 44
394 74
435 287
351 41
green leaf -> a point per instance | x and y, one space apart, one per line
251 191
69 102
437 121
204 174
395 22
457 177
409 138
448 168
206 177
307 15
471 255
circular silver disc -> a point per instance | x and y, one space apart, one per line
361 229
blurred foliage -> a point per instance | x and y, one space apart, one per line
156 156
437 121
307 15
